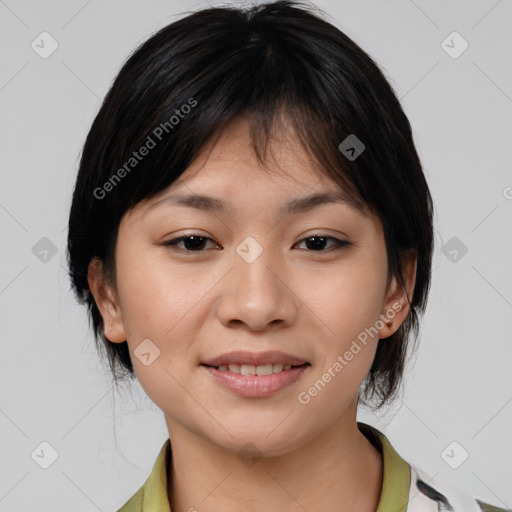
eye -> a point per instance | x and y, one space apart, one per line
317 242
193 242
196 243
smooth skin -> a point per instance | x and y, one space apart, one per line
306 299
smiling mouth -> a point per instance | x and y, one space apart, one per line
250 369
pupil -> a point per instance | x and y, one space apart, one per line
316 245
197 242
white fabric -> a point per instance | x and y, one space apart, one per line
419 502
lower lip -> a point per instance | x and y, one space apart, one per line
257 386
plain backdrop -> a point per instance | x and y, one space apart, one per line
54 389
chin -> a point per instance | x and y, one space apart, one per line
256 442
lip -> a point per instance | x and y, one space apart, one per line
255 358
257 386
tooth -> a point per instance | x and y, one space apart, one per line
248 369
234 368
264 369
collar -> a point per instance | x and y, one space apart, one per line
396 479
152 496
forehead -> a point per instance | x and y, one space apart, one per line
229 164
233 149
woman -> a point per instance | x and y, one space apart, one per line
251 230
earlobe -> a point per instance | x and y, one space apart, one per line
397 302
106 303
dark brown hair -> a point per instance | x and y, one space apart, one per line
182 86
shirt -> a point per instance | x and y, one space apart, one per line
404 487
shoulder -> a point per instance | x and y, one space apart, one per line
426 495
407 489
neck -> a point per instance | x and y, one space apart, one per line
339 470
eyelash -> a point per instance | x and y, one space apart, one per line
339 244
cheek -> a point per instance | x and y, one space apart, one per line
156 296
162 303
346 298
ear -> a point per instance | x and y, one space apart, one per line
396 306
106 301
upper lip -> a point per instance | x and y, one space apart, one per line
255 358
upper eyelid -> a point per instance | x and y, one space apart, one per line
339 242
313 235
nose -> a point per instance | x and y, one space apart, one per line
258 295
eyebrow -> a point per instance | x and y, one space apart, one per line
294 206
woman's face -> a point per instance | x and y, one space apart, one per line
254 279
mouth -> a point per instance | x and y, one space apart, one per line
250 369
256 374
256 381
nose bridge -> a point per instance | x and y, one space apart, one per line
256 294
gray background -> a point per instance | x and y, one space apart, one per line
53 387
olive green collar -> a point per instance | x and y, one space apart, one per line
396 479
